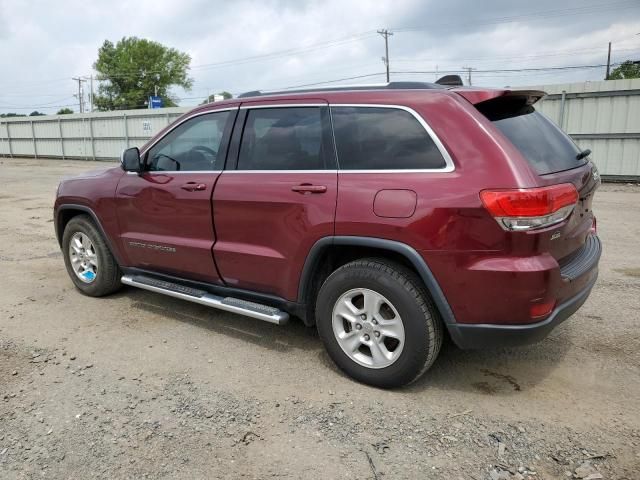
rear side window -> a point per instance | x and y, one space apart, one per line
283 139
547 148
376 138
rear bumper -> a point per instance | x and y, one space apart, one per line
476 336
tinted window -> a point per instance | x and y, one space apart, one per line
547 148
282 139
371 138
194 145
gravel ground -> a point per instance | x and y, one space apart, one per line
138 385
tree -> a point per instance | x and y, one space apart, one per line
131 70
36 113
64 111
628 69
11 115
212 98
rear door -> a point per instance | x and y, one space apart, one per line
165 213
277 197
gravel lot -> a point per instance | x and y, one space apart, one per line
138 385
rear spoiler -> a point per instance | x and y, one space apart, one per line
479 95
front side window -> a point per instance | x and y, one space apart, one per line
377 138
287 138
192 146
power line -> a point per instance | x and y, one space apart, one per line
559 53
368 75
504 70
43 105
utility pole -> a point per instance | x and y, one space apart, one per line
606 77
468 69
79 95
386 34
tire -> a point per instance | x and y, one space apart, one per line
102 275
403 299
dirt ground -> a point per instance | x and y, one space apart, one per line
138 385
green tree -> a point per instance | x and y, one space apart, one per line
132 69
10 115
211 98
64 111
36 113
628 69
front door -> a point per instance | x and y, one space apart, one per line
279 200
164 214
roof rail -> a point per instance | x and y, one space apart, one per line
381 86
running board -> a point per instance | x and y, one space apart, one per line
228 304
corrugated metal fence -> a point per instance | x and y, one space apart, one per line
602 116
91 136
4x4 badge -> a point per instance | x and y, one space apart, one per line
555 235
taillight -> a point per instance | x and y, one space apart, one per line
530 208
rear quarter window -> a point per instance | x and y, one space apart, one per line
378 138
547 148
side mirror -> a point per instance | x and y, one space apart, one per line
130 160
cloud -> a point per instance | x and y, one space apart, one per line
43 47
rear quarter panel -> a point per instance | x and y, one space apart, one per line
450 228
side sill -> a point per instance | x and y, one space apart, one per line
293 308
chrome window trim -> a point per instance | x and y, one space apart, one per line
172 172
449 165
283 105
333 170
177 124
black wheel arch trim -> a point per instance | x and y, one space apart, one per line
94 217
403 249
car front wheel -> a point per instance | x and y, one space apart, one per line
89 262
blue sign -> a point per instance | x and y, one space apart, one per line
155 102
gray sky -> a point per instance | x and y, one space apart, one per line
244 45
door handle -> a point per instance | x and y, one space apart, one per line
307 188
193 186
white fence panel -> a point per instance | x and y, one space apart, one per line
602 116
99 136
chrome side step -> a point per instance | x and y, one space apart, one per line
228 304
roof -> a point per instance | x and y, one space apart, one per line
344 88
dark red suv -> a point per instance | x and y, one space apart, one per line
383 215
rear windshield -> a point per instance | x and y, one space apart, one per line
547 148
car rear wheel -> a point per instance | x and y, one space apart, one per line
88 259
378 323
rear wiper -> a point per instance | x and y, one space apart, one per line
583 154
